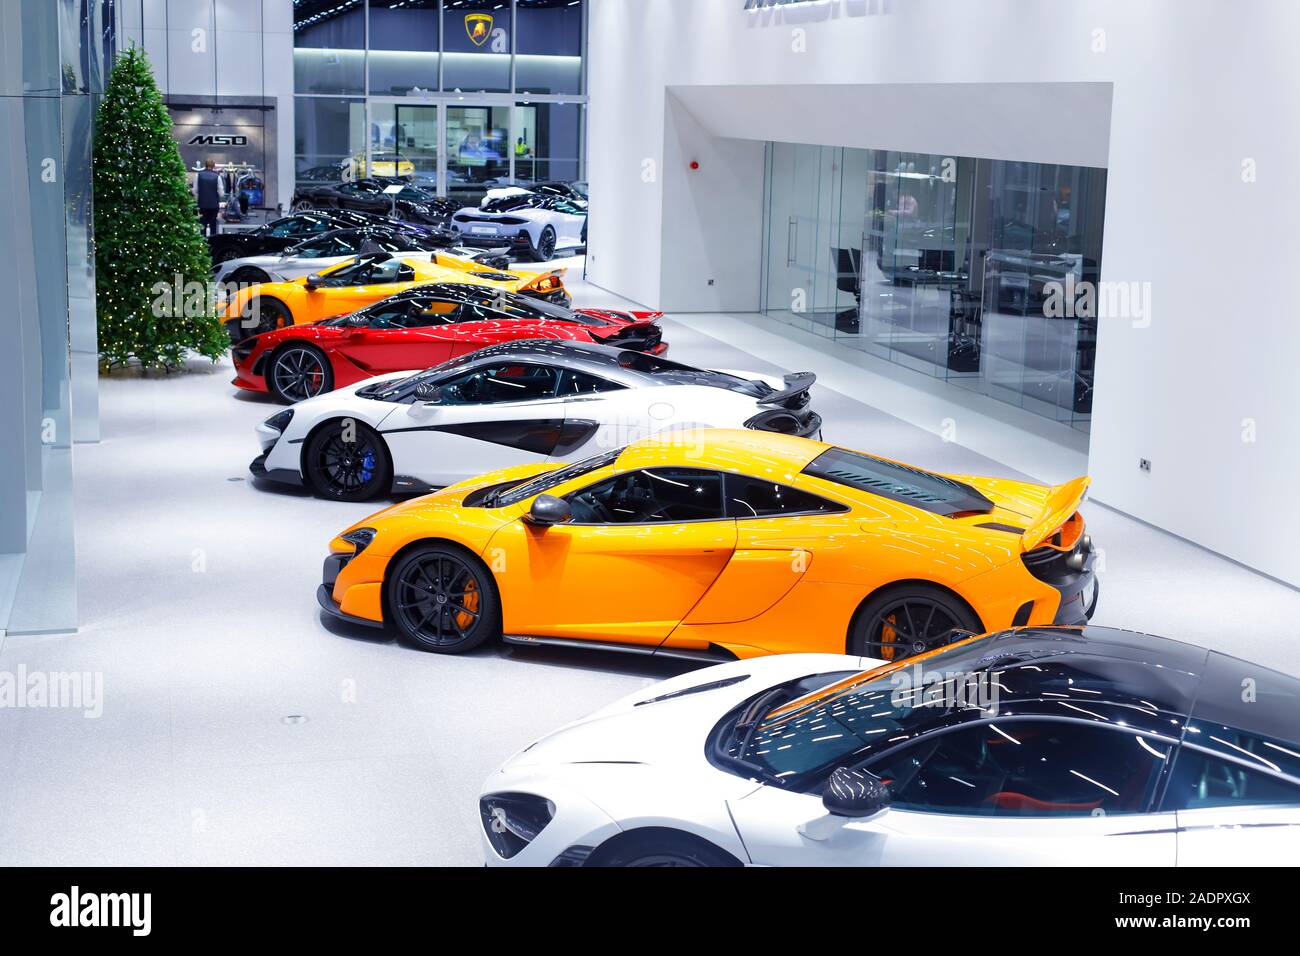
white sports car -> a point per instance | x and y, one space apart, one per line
516 403
331 248
1075 746
531 223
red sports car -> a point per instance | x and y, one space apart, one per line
419 328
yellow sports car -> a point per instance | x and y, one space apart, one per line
361 280
718 544
381 164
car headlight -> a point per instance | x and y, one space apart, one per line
513 820
359 539
280 421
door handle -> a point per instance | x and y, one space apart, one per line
792 240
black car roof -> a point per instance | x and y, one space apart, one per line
1139 680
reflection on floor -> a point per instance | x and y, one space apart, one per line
198 610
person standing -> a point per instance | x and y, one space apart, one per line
209 190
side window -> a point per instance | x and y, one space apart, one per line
371 273
348 188
290 228
756 498
1200 780
650 497
511 382
323 248
1020 768
580 383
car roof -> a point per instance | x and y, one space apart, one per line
725 449
1126 678
600 360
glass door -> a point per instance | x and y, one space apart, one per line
794 224
478 150
404 141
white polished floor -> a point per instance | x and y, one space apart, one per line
197 597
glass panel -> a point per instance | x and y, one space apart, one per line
984 273
477 149
404 140
548 46
794 249
403 47
37 553
476 45
548 141
329 39
329 138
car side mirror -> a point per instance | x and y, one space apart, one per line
428 392
548 510
314 281
357 321
855 793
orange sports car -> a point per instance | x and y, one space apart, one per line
345 287
718 544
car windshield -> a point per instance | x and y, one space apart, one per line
553 479
783 735
902 483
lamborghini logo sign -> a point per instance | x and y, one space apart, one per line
479 27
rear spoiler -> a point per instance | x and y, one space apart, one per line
1062 501
795 383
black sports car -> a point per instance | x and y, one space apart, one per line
282 233
411 204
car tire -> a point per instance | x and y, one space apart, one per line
298 372
224 254
272 314
901 622
544 251
347 471
303 205
248 275
664 849
441 598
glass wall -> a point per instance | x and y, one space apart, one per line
962 268
51 72
461 93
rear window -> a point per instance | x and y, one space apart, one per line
888 479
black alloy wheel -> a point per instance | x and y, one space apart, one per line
909 621
347 461
267 315
663 849
303 205
299 372
442 600
545 250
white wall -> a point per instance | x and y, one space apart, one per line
1192 89
246 49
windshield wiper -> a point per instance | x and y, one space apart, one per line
746 726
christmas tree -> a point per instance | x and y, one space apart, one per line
152 263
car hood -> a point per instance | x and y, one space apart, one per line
646 729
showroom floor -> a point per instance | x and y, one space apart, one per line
202 754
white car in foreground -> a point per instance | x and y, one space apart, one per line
530 401
1072 746
534 224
